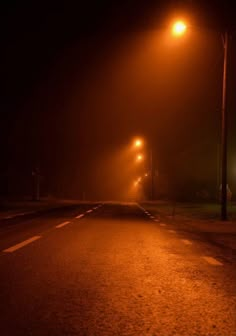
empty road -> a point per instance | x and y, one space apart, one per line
112 269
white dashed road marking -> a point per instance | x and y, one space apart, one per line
162 224
9 217
80 216
212 261
88 211
61 225
186 242
22 244
19 214
141 207
15 215
172 231
149 214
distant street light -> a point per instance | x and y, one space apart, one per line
178 29
138 143
139 157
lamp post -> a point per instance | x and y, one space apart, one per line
139 157
178 29
224 132
151 163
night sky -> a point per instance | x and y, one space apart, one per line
80 80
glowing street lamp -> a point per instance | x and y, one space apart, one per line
139 157
179 28
138 143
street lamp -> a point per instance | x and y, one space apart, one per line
139 157
138 143
179 28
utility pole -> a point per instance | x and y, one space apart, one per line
218 170
224 127
152 175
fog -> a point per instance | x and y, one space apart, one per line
103 89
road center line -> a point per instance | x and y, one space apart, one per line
15 215
19 214
172 231
88 211
80 216
212 261
22 244
141 207
61 225
186 241
9 217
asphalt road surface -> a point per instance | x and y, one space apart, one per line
112 269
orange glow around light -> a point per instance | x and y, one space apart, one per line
179 28
139 157
138 143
